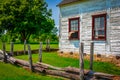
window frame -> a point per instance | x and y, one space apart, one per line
69 26
93 26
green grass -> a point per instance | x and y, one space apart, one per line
52 58
19 47
10 72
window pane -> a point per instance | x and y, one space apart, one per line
74 25
74 35
101 33
99 25
102 22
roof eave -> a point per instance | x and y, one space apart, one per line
60 4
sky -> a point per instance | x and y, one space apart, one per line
55 10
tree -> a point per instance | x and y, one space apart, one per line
25 17
1 31
55 31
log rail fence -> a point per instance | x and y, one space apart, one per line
67 72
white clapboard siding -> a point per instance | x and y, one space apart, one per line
115 29
85 10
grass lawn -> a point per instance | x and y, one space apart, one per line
19 47
10 72
54 59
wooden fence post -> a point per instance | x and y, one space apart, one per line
40 52
12 48
4 52
81 49
91 55
47 45
30 58
25 47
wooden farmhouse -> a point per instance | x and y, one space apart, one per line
89 21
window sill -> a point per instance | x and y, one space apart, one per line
74 39
100 41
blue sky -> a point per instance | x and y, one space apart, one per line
55 10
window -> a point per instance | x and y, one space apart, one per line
74 28
99 27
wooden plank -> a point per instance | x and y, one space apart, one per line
103 75
63 74
115 10
50 66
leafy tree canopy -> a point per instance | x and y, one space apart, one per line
25 17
